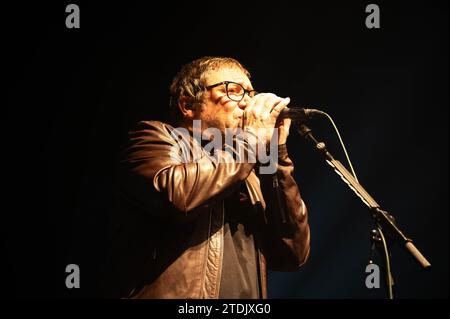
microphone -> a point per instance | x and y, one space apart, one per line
299 115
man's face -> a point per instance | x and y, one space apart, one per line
218 110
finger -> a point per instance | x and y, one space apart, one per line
271 102
286 124
252 104
279 107
268 103
262 105
265 101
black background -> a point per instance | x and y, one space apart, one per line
72 94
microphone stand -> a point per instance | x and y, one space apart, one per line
383 220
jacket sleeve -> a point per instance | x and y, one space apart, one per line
157 166
286 231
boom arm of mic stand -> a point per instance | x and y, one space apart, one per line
378 214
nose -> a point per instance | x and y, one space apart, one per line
243 103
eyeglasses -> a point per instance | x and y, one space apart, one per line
235 91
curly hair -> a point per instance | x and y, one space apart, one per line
190 81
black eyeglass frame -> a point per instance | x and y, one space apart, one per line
250 93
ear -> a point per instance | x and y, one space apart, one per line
185 106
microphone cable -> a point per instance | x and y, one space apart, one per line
342 143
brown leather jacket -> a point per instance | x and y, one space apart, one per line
172 240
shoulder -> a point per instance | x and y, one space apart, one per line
151 130
152 126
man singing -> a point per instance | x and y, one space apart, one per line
208 224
